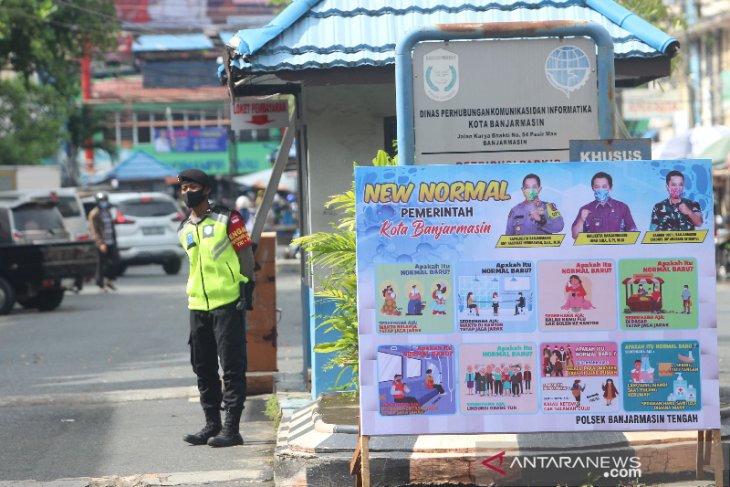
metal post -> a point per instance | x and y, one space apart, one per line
232 163
282 157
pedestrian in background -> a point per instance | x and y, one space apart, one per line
101 226
220 289
244 206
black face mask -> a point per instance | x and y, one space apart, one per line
194 198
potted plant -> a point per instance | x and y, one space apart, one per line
333 254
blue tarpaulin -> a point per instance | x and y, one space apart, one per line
140 166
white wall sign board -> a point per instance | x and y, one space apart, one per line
253 113
503 100
641 103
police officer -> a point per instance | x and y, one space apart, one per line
220 288
532 216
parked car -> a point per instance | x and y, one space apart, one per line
68 202
146 226
38 260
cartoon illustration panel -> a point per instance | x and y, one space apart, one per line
414 298
416 379
577 295
580 377
658 293
496 296
497 379
661 376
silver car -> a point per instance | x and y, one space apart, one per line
146 226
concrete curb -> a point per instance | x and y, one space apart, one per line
310 451
323 427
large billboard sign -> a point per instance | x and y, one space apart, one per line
184 13
473 103
204 139
573 296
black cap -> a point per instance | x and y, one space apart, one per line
194 176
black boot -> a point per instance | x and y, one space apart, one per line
212 427
229 435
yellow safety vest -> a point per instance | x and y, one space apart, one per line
215 272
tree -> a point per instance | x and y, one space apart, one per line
41 42
90 127
279 4
31 120
656 13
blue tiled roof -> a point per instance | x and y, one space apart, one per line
322 34
140 166
169 42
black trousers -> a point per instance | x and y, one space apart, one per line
220 332
107 264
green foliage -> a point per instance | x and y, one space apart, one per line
279 4
41 41
656 13
88 125
45 38
334 252
31 119
273 410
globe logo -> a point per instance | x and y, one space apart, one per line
567 68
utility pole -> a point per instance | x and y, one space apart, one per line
86 99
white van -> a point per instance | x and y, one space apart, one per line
68 202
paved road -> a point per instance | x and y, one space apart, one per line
102 388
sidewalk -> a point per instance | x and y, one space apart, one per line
315 444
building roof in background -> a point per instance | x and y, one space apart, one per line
140 166
170 42
131 90
322 34
174 14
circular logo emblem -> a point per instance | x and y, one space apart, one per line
567 68
441 75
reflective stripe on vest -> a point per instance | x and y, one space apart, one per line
215 272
